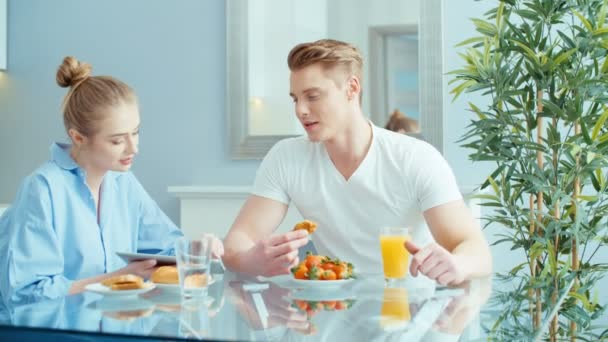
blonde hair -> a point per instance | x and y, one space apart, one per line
89 97
330 53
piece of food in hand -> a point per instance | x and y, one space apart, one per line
124 282
165 275
320 267
307 225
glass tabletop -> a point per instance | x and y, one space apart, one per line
271 309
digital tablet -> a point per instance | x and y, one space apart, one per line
160 259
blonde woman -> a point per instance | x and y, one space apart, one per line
73 213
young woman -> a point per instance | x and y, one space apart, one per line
74 213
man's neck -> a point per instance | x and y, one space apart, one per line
349 148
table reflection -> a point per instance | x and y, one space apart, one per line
243 308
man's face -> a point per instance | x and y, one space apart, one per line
323 100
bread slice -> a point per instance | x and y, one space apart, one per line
124 282
165 275
307 225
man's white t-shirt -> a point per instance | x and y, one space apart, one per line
399 179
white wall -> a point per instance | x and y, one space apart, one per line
271 107
3 33
173 53
349 20
457 27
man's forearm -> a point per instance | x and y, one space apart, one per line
475 258
235 246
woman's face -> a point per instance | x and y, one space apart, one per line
115 143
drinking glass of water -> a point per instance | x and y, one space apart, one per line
193 265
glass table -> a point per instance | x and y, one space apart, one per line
240 308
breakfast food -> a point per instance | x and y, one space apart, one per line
124 282
195 281
307 225
320 267
165 275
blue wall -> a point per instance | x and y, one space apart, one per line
171 53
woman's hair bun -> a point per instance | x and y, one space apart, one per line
71 72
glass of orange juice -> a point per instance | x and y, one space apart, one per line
395 257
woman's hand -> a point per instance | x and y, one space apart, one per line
143 268
217 247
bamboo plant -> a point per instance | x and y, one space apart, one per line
541 66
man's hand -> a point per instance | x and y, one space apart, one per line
275 255
435 262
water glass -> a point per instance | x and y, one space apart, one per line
193 265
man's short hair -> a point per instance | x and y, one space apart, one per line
330 53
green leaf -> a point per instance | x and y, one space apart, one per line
584 20
494 186
536 250
588 306
563 56
477 111
566 39
499 13
601 17
485 27
554 109
486 53
605 66
585 132
600 33
587 198
528 14
529 52
599 124
600 178
470 41
517 268
460 88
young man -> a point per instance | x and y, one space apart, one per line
352 178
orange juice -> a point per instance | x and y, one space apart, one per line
395 307
394 255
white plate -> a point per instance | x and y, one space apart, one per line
106 291
321 283
287 281
319 294
160 259
171 288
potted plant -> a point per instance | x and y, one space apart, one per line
542 66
